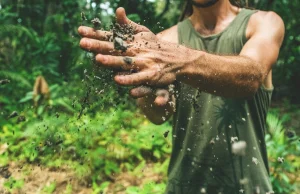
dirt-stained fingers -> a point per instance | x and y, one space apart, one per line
141 91
123 20
162 95
121 62
88 32
97 46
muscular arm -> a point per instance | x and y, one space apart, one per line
162 61
238 76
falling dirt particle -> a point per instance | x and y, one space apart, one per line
57 114
203 190
233 139
270 192
4 81
244 181
290 133
83 16
21 119
96 22
256 190
212 142
255 160
280 159
4 172
239 148
166 134
13 114
127 60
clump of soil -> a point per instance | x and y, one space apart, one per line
4 81
96 22
122 34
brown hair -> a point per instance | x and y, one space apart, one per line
188 8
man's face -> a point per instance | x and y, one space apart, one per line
203 3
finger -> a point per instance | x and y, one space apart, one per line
140 78
161 101
123 20
162 98
97 46
120 62
118 72
95 34
141 91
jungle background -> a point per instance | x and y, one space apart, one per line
75 132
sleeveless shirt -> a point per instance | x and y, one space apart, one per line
205 127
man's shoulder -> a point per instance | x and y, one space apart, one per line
264 19
169 35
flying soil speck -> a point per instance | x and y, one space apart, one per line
166 134
21 119
280 159
239 148
255 160
13 114
83 16
290 133
96 22
4 81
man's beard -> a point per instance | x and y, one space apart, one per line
204 5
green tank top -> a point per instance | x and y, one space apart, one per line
206 126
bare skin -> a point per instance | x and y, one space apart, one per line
162 61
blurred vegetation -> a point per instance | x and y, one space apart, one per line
39 38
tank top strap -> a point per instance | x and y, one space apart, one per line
240 23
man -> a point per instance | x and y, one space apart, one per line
219 58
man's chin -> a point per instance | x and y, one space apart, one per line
204 5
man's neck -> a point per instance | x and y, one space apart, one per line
210 18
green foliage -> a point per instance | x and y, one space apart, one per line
13 184
50 188
285 176
286 71
39 37
95 148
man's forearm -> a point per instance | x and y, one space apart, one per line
228 76
156 114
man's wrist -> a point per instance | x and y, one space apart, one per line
190 65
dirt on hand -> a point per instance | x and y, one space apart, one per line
121 35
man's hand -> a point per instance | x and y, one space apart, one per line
97 41
155 62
